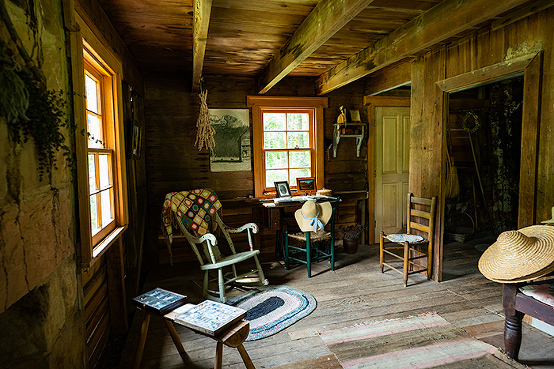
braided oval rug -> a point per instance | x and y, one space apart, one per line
272 309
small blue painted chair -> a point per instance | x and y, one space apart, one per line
316 241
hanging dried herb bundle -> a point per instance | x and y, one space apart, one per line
204 130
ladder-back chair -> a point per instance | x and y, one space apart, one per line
196 213
411 246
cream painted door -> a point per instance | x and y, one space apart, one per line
392 162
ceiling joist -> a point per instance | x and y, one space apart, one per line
326 19
444 21
201 22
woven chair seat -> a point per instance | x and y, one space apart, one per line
314 237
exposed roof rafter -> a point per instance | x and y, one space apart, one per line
201 22
326 19
445 20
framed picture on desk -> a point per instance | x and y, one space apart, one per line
282 189
306 185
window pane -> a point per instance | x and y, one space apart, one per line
275 159
274 121
94 131
91 173
106 207
299 159
298 173
298 122
298 139
94 215
104 170
272 176
92 98
274 140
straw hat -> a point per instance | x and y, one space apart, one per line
519 256
312 216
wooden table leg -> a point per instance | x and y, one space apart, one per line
512 323
245 357
218 356
174 336
142 341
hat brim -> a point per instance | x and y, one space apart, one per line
325 212
527 263
527 278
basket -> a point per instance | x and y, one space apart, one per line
460 234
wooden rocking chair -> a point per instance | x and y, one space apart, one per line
216 266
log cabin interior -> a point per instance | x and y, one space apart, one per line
469 82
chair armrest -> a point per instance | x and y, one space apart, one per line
207 237
251 226
210 240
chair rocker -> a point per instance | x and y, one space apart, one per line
219 268
406 248
312 246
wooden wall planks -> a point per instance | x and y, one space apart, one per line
175 164
479 50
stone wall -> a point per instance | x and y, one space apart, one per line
40 310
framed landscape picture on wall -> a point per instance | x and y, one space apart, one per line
231 151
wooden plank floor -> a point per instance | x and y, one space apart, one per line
356 292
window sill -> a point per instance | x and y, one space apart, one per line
105 244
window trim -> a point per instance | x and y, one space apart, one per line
103 58
259 103
311 148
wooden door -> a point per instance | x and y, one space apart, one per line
392 161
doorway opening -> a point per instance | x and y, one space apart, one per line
483 138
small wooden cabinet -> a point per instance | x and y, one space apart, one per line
355 130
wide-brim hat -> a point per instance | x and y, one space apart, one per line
519 256
306 216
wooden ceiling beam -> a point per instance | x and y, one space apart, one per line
200 24
439 23
326 19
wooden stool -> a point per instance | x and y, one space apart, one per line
232 337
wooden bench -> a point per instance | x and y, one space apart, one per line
233 336
516 304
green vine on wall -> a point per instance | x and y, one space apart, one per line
30 109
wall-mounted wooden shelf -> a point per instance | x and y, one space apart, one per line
339 128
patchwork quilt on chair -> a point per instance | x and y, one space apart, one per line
194 208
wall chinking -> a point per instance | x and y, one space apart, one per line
40 313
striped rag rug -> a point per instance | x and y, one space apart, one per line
426 341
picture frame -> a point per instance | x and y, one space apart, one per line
306 185
136 144
282 189
355 116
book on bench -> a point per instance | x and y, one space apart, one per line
208 317
159 301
